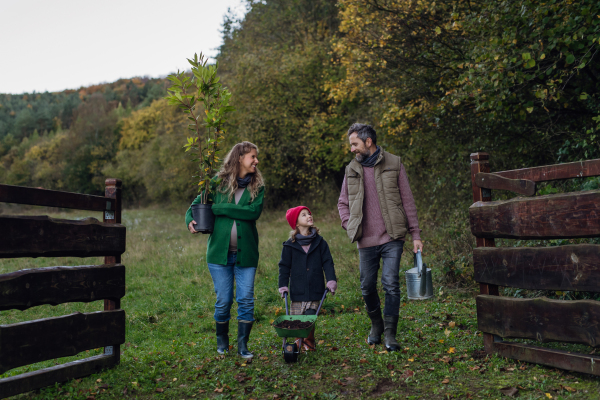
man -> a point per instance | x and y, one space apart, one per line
377 210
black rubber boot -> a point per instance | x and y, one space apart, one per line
389 337
376 326
244 328
222 337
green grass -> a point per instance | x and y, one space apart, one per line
170 350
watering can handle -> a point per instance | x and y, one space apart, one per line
419 262
422 270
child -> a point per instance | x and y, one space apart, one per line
304 259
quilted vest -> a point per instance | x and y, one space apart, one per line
387 169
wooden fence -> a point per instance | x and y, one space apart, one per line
41 236
568 267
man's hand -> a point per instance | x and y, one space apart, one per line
417 245
192 228
283 290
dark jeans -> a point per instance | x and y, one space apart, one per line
390 275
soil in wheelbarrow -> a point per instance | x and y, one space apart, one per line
294 324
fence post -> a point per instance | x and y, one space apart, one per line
480 163
112 190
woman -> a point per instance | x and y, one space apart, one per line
233 246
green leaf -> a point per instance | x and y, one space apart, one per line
526 56
570 59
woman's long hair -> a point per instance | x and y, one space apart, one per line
231 167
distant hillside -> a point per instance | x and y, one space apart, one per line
22 114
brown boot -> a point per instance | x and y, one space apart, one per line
309 343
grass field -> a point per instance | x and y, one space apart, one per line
170 350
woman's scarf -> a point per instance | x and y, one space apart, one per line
306 240
245 181
370 161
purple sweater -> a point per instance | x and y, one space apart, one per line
373 226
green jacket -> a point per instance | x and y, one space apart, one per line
244 214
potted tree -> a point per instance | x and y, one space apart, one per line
194 93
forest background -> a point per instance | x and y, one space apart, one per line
438 80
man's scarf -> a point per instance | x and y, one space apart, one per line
370 161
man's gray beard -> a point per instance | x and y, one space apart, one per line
360 157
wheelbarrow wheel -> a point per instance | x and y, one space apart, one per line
290 353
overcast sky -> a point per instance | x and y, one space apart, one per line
52 45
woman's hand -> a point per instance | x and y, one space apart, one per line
282 290
191 227
332 286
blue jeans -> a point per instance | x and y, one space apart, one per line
390 275
223 276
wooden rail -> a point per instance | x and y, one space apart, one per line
26 382
56 285
571 267
494 181
42 236
54 198
541 319
557 216
568 267
553 358
579 169
45 339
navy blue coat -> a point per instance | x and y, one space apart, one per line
303 272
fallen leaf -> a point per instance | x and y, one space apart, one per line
367 375
446 381
363 361
441 340
447 332
174 379
431 369
321 342
390 366
201 391
451 350
104 386
98 380
160 390
568 389
548 395
218 390
509 391
451 324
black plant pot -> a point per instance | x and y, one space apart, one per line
204 217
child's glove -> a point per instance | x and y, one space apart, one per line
282 290
332 286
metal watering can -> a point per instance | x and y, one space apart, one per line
419 285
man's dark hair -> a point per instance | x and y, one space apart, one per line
363 131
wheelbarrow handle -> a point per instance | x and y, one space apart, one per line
322 300
286 302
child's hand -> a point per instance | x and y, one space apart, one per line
282 290
332 286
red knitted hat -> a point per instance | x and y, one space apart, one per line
292 215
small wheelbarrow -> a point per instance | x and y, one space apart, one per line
291 350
